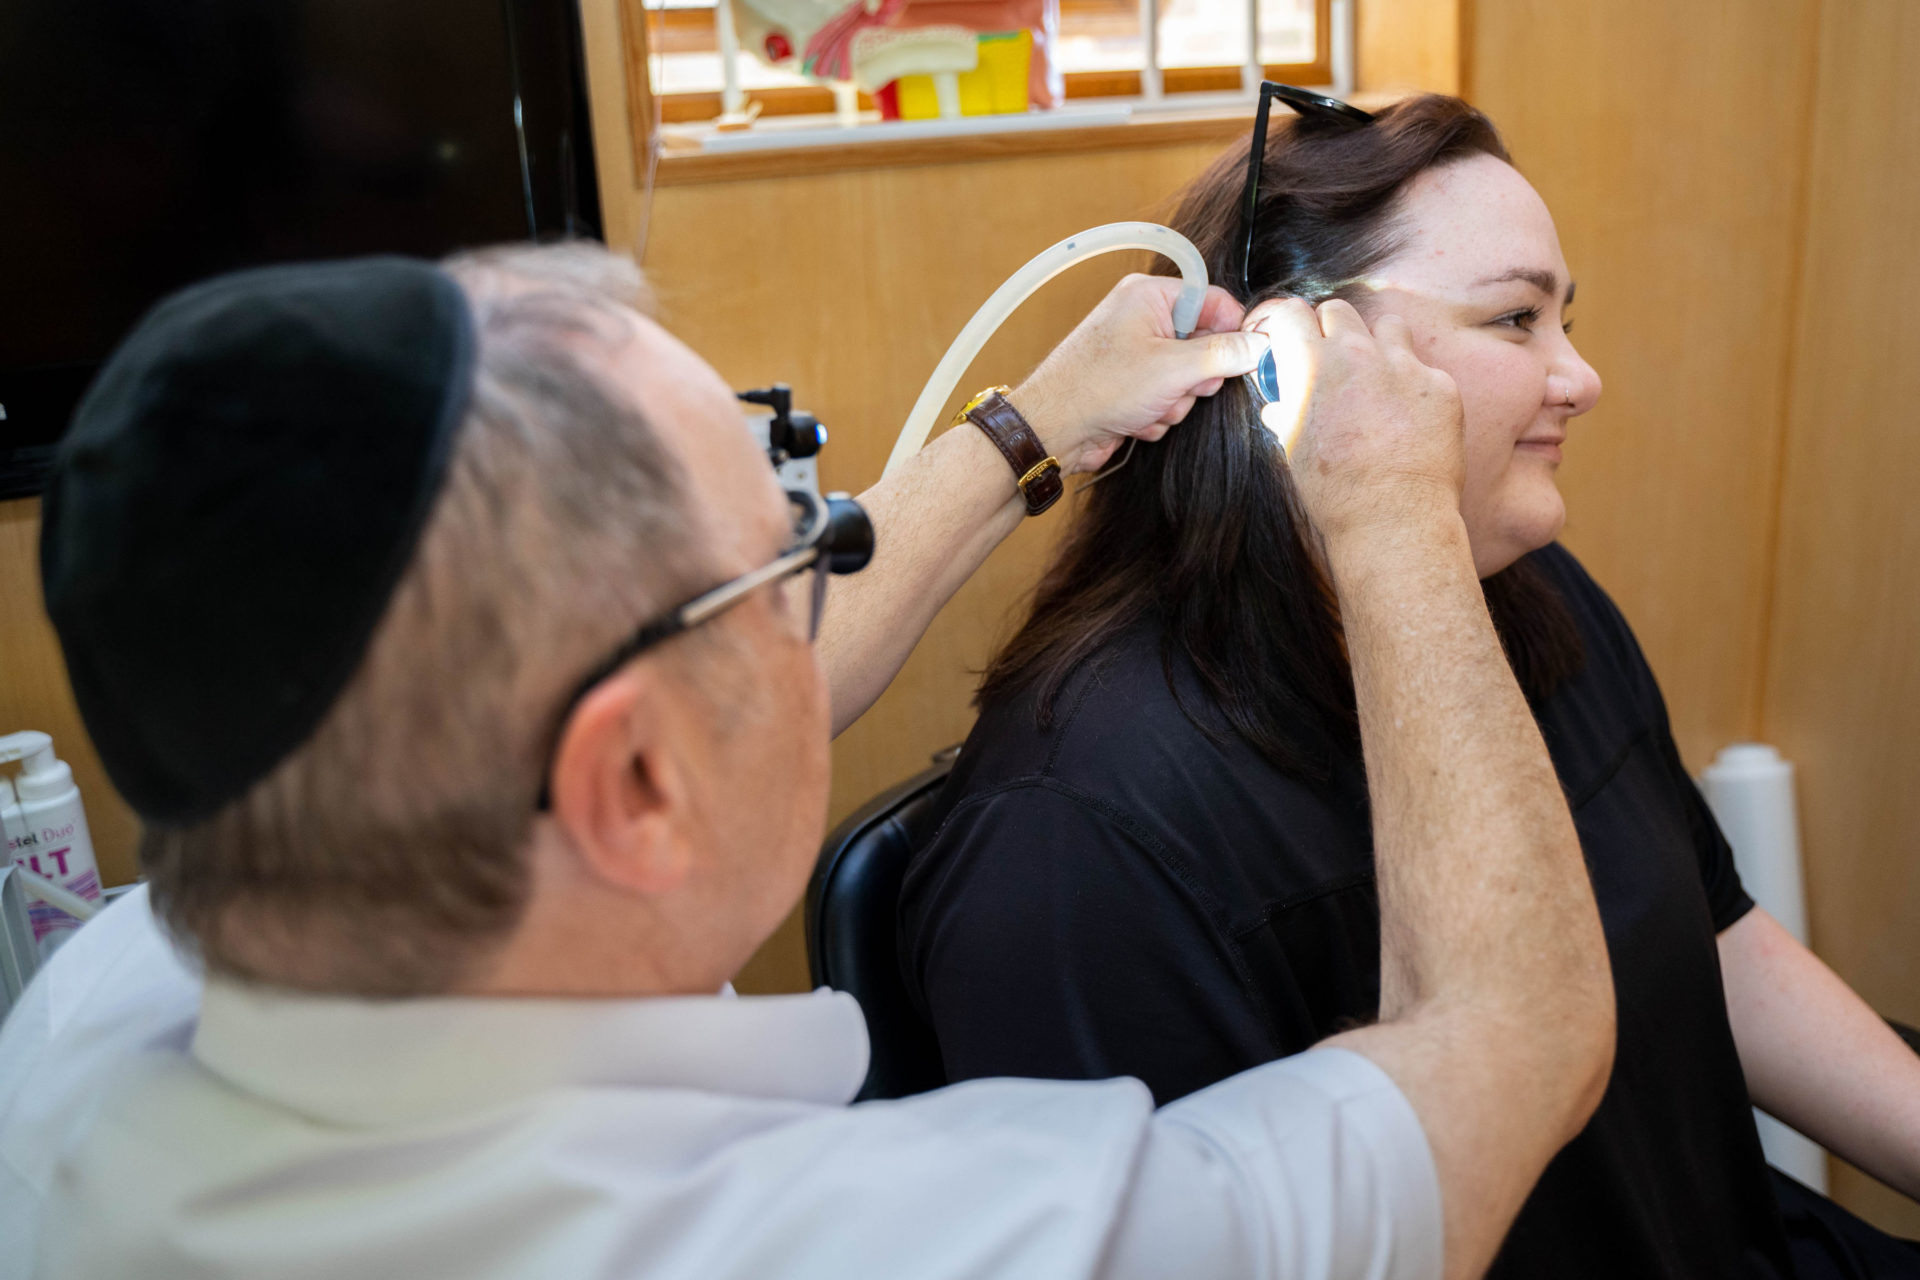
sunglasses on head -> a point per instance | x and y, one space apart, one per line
1264 381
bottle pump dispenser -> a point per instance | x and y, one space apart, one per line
47 833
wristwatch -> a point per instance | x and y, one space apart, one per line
1035 471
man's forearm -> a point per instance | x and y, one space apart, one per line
1470 825
1494 985
935 522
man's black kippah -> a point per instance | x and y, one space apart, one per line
240 491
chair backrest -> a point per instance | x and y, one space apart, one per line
852 915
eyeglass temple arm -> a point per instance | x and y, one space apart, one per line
1250 198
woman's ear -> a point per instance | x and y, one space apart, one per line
618 787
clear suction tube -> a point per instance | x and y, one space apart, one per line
1022 285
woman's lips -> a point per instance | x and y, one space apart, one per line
1547 447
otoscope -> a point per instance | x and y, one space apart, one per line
793 441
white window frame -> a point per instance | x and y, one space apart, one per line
775 133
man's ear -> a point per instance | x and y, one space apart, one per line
618 788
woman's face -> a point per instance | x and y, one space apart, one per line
1481 282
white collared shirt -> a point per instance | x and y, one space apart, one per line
272 1133
115 989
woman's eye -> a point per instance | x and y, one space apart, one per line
1568 326
1521 320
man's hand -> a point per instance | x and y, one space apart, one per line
1121 373
1379 437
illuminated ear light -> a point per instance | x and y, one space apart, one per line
1266 378
1281 385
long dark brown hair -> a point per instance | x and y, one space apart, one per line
1201 534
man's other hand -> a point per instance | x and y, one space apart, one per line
1378 437
1121 373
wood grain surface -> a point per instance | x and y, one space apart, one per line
1669 142
1409 45
1842 682
34 693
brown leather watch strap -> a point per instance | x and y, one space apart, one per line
1034 470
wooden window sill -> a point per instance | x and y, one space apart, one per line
869 148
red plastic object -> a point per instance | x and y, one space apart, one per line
887 98
779 48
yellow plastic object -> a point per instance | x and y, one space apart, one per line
998 86
918 101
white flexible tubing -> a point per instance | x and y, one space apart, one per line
1022 284
56 895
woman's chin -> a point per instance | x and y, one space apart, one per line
1522 530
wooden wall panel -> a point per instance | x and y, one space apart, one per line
1843 682
1667 139
34 693
1403 45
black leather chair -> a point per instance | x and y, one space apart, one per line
852 909
1907 1033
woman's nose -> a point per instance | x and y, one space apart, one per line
1573 384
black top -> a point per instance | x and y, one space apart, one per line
1125 895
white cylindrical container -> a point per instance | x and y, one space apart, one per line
47 833
1750 789
9 816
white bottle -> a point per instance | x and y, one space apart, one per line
47 833
9 817
1750 789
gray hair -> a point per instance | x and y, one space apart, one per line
387 855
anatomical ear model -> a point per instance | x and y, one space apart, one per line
918 58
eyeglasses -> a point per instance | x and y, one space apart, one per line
808 554
1264 381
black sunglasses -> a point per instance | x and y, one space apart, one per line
1265 378
1313 106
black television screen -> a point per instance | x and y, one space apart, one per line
145 144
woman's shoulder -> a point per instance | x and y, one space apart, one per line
1614 699
1134 743
1122 709
1124 787
1602 625
1568 575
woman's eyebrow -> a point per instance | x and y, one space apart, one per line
1545 281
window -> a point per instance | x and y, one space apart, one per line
1102 52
